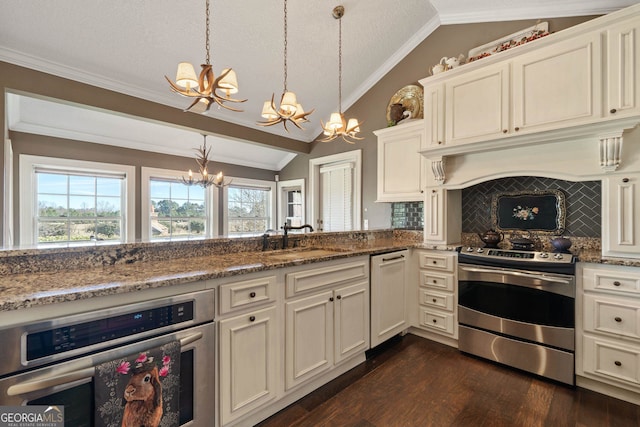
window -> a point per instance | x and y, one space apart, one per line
291 202
174 210
74 202
249 207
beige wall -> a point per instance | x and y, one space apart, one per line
447 40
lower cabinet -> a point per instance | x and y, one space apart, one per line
326 319
608 330
389 282
437 297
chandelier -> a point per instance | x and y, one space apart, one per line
337 124
206 89
289 110
206 180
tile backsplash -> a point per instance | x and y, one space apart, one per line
407 215
582 200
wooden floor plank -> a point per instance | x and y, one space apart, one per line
411 381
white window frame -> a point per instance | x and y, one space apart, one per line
28 194
247 182
354 157
282 204
211 201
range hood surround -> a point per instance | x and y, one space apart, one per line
579 153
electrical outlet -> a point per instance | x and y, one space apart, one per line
365 224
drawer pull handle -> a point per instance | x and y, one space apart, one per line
439 142
435 281
613 111
435 262
517 129
618 319
504 131
616 283
252 319
252 295
617 363
435 321
625 180
339 297
331 299
434 300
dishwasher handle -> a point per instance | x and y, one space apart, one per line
393 258
80 374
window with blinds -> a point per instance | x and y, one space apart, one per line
337 196
78 207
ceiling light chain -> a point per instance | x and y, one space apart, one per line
290 110
204 88
337 124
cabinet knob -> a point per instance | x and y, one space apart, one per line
435 262
252 295
434 300
613 111
517 129
435 280
435 321
439 142
625 180
339 297
618 319
617 363
252 319
504 131
616 283
331 299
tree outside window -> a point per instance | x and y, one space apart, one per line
249 210
177 210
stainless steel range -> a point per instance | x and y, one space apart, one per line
518 308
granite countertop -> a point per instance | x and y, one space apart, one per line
19 291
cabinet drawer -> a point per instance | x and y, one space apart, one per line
440 281
437 261
247 293
612 316
436 299
611 360
611 280
315 278
438 321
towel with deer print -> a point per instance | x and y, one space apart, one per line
140 390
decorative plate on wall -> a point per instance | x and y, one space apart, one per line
412 99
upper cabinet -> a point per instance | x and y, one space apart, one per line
577 84
401 168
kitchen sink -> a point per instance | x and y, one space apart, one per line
303 253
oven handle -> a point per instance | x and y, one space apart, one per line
48 382
517 273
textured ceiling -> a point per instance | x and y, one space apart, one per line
128 46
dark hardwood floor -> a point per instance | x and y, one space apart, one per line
416 382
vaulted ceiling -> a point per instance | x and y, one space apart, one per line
129 46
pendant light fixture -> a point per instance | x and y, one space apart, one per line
337 124
205 180
205 89
289 110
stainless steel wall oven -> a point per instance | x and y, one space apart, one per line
53 362
518 308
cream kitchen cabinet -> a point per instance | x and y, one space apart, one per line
437 295
442 221
623 65
326 318
476 105
621 215
558 86
608 326
249 345
401 168
389 287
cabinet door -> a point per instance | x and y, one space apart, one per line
558 86
477 105
248 362
351 316
400 164
388 296
308 337
434 115
621 215
623 50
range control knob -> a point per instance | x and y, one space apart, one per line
479 250
558 256
469 249
544 255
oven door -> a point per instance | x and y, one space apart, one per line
71 383
532 306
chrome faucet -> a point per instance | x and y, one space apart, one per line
286 228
